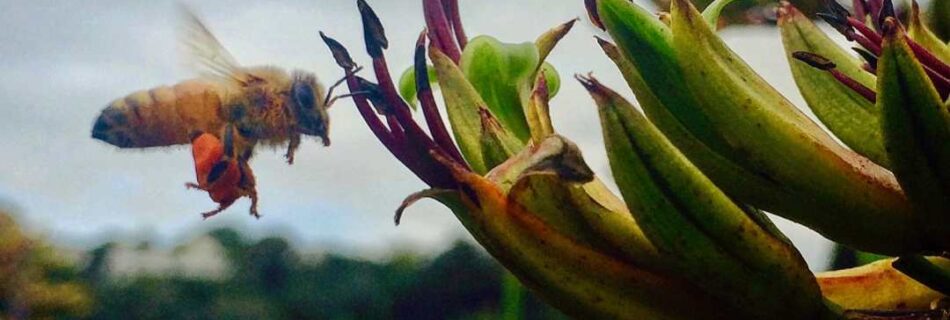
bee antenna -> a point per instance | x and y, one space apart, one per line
329 99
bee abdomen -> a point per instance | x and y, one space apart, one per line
162 116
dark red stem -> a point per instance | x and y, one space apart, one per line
440 29
395 140
859 8
941 83
413 142
429 107
937 70
874 9
819 62
865 30
399 106
928 59
399 135
369 116
869 44
414 134
455 19
849 82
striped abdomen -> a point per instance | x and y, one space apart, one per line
162 116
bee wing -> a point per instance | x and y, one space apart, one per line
205 54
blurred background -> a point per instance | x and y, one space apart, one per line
93 231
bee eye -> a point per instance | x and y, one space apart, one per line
309 119
303 95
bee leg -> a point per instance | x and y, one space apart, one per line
237 144
228 141
327 101
221 207
253 210
292 147
192 185
248 186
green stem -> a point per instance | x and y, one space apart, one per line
512 295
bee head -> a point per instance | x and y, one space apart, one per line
308 106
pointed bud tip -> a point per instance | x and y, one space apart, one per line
421 40
373 31
419 63
587 81
890 27
837 9
887 10
838 22
591 6
597 90
339 52
785 12
684 6
603 42
567 26
814 60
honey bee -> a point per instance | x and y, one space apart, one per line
242 106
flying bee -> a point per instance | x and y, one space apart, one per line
243 106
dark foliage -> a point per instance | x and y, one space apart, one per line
270 280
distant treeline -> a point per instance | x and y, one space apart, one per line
268 279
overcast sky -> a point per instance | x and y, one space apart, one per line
63 62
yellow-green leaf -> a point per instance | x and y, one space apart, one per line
916 129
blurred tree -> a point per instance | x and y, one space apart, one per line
460 281
96 268
270 280
341 288
35 282
150 297
232 241
268 265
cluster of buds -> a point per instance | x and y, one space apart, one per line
715 144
